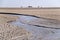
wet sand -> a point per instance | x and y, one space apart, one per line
22 28
39 33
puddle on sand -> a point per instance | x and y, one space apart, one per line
38 33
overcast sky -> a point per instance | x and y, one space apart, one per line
18 3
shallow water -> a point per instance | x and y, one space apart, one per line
38 33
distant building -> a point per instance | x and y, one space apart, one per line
29 6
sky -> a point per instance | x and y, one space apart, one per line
25 3
41 3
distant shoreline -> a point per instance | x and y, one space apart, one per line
30 8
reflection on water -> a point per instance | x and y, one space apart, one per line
38 32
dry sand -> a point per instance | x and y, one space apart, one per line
7 18
47 13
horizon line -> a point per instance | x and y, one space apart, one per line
30 8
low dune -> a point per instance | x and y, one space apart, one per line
46 13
